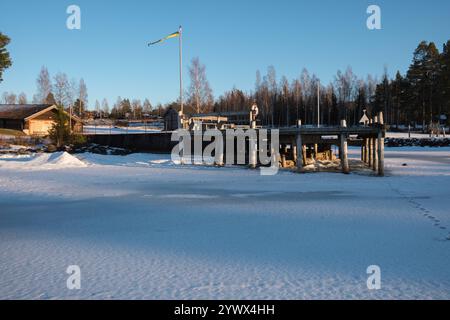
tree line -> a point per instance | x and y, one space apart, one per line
72 94
59 90
416 98
419 97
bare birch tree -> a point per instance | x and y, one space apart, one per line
273 91
297 97
22 98
62 89
44 86
147 107
200 94
9 98
345 86
82 97
105 107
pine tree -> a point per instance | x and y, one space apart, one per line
50 99
444 80
423 76
60 131
5 59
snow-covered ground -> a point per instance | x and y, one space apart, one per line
104 129
414 135
141 227
119 130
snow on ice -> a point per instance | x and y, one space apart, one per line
141 227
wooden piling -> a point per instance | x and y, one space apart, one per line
366 152
375 148
381 146
253 152
294 151
283 160
344 156
304 154
344 149
299 147
362 150
370 148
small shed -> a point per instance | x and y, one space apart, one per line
171 120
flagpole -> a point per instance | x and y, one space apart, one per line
318 104
181 68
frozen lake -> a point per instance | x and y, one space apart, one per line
141 227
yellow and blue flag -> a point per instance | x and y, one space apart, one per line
170 36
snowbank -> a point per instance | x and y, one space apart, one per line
57 160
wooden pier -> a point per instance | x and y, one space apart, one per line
295 142
371 137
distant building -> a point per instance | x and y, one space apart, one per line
171 120
221 120
32 119
364 119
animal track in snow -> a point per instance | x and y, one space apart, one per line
425 212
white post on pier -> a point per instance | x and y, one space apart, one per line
344 149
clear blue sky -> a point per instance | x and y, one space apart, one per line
232 38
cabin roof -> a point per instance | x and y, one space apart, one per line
27 111
21 111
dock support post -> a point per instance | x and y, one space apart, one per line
366 151
375 148
299 145
381 146
253 157
304 154
363 148
182 151
370 163
220 152
283 160
344 149
219 161
294 150
344 155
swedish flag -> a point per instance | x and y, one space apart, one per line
170 36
